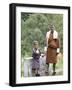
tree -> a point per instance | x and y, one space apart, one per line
35 26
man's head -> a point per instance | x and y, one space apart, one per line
51 28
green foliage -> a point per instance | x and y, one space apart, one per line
35 26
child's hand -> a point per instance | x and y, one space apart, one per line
42 55
37 51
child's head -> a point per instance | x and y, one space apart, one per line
35 44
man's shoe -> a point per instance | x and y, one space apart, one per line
54 73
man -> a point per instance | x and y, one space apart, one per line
53 46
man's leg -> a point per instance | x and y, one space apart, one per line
47 68
54 67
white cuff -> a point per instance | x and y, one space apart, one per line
58 50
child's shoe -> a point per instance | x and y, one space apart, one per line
37 75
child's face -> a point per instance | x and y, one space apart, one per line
36 46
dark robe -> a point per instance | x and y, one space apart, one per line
36 59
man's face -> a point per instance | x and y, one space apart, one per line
52 29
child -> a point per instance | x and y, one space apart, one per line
36 56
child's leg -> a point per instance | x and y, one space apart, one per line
37 72
33 72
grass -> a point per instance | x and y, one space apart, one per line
60 64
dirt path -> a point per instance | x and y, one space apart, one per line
27 69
